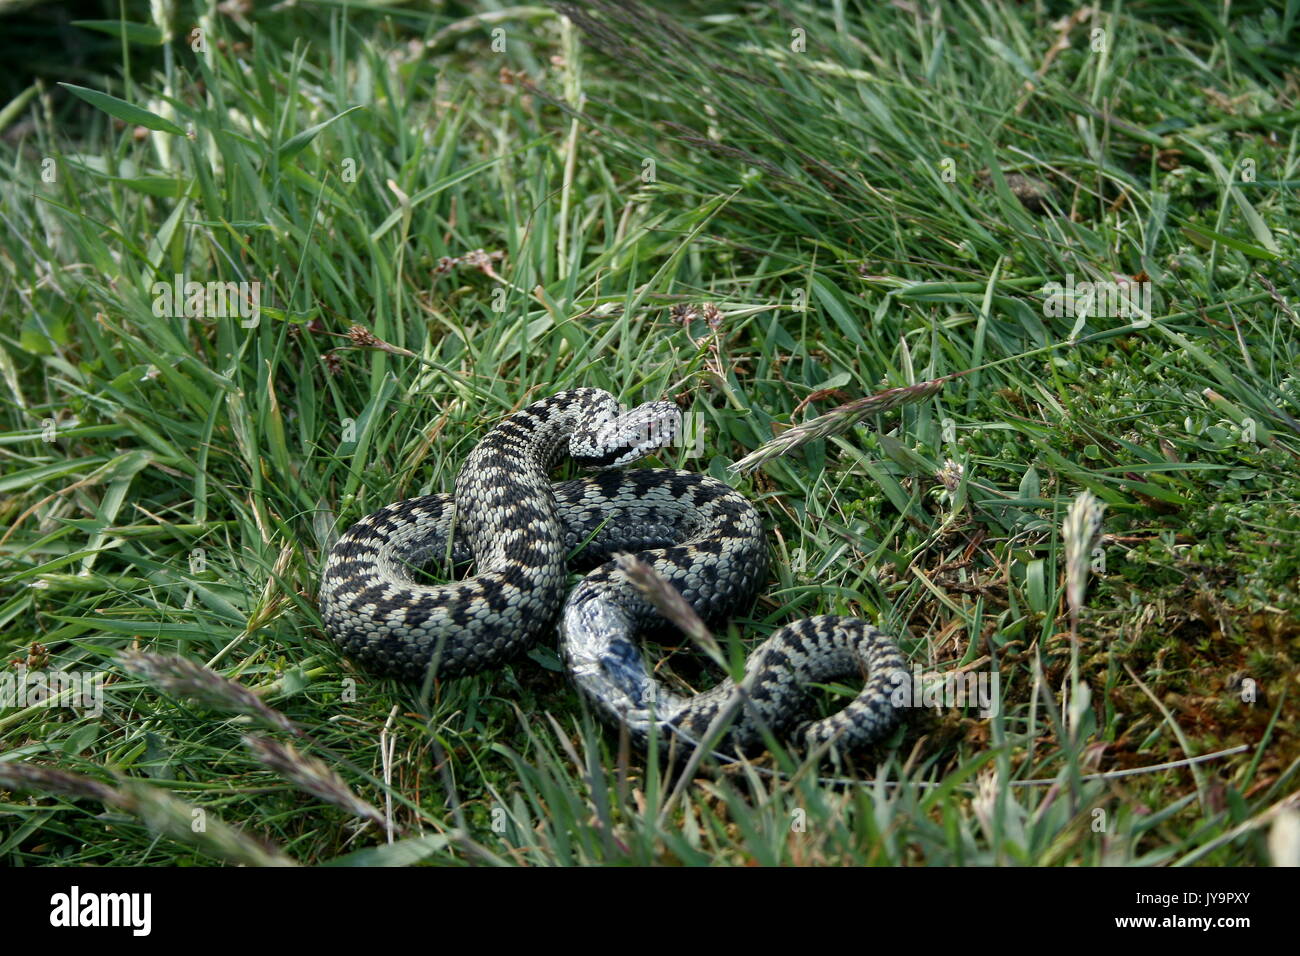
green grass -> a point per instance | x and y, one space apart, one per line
878 209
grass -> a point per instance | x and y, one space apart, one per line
870 198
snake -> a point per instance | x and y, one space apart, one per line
523 533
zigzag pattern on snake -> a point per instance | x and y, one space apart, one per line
519 528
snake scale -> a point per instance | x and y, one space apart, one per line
520 530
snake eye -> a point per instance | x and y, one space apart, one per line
627 437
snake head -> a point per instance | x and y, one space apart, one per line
613 441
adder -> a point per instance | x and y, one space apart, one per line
520 530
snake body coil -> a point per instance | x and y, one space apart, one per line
519 528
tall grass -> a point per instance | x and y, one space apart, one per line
775 215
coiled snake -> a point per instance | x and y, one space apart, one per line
519 529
